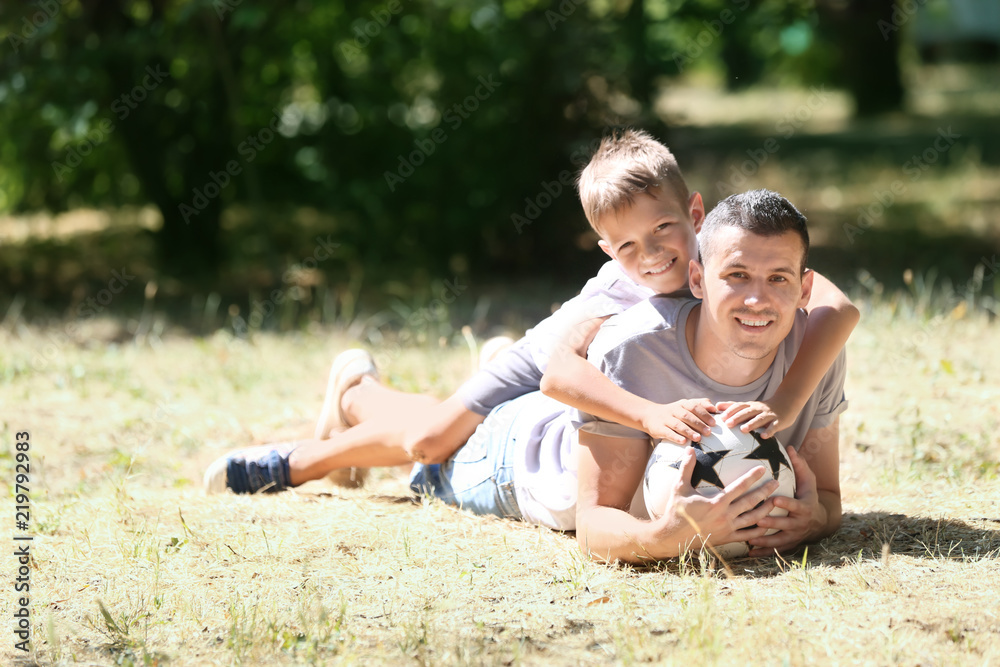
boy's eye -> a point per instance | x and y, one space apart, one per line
663 226
624 246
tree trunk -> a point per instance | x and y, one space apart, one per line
869 53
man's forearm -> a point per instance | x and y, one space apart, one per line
829 523
606 534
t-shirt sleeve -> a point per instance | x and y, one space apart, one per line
544 339
513 373
608 293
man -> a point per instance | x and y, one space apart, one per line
732 348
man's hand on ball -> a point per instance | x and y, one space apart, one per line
681 421
806 515
731 516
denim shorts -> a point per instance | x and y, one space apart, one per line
479 477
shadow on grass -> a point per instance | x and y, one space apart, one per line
915 537
863 535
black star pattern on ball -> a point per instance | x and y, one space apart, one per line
704 467
769 450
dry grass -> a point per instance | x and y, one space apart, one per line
133 565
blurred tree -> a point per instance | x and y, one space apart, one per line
865 35
439 134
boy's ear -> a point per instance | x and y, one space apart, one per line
807 286
696 209
606 247
695 276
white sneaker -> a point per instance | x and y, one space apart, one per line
347 369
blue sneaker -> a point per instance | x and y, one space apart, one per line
255 470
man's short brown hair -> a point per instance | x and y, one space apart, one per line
627 163
761 212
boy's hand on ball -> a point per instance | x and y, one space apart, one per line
680 421
751 416
806 515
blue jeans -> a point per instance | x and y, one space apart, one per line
479 477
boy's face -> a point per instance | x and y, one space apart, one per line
654 239
750 288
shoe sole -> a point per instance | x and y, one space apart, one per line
216 476
342 376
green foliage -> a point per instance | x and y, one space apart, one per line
422 126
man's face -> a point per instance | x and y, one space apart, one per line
654 239
750 288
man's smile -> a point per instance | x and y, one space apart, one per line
755 323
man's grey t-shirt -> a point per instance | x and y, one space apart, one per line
644 350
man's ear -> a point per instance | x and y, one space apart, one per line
606 248
696 274
807 286
696 209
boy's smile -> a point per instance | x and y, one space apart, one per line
654 238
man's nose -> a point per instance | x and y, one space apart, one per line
755 294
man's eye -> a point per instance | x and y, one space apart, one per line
779 279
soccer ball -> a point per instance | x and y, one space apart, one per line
723 457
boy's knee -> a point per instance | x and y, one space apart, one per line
427 448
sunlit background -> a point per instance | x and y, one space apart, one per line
324 158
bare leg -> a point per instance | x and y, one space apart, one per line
371 400
432 431
361 446
395 428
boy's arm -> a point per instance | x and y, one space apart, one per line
571 379
832 318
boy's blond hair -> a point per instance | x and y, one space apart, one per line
628 162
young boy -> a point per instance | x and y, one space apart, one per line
636 199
